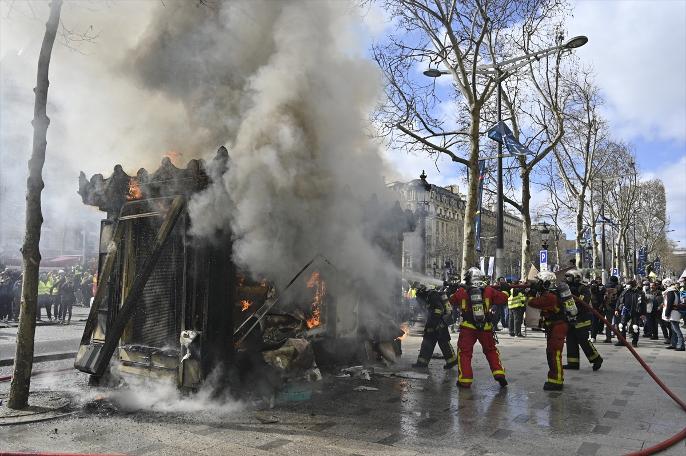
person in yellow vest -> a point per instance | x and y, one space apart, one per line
44 298
516 303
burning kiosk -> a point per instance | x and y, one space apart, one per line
154 285
168 306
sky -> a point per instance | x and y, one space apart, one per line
638 51
637 48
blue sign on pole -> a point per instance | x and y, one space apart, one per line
544 260
615 272
572 251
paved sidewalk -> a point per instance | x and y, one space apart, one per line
50 337
614 411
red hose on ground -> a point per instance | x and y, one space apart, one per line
672 440
26 453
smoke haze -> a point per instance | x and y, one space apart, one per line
276 82
284 85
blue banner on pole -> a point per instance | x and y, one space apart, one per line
501 133
477 219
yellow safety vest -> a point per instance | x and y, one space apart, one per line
516 300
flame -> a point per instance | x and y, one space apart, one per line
405 328
245 305
135 192
315 281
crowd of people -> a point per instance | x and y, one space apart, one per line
58 291
567 315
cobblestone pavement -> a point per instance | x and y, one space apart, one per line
614 411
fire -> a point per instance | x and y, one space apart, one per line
245 305
315 281
405 328
135 192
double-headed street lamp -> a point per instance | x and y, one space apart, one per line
500 71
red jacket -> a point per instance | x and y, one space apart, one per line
491 296
549 304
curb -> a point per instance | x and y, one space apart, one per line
41 358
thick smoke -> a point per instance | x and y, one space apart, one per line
277 82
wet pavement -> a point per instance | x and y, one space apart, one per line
614 411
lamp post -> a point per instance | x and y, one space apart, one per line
545 235
424 211
500 71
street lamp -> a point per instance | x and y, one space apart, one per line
545 234
500 71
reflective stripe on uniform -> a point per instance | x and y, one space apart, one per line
557 382
572 359
422 360
498 372
558 361
583 324
466 324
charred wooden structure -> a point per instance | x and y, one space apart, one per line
163 304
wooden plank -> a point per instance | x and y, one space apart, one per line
115 331
103 279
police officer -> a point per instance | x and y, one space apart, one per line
436 328
630 308
612 291
578 331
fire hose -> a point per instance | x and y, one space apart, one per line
672 440
28 453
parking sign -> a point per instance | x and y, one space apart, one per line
544 260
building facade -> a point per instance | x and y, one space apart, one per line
438 237
437 240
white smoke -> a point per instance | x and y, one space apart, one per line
280 83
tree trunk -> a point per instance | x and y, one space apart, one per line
23 358
581 200
468 240
526 223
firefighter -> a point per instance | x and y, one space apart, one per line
578 331
557 308
516 302
476 301
438 320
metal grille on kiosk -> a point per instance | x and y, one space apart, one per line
156 320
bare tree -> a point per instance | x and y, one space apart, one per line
23 359
456 36
542 112
583 152
621 200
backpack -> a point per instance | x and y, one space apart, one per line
680 302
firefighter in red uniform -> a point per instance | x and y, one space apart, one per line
475 301
557 307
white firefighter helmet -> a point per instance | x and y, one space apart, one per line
573 276
547 278
667 282
475 277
